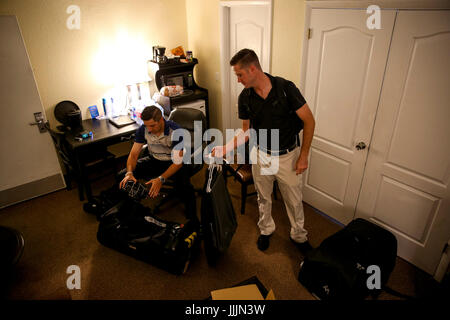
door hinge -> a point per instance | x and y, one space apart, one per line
309 33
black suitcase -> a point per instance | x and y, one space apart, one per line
131 228
342 267
217 215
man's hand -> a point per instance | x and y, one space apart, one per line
218 151
301 165
124 180
155 187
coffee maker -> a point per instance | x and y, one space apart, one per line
159 54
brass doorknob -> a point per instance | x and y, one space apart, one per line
361 146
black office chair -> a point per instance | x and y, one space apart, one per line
11 249
185 118
12 244
93 158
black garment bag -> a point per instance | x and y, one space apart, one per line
217 215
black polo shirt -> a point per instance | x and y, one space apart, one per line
268 114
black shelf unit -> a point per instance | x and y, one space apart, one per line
161 72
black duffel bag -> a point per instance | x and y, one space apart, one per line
131 228
352 264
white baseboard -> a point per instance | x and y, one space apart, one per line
31 190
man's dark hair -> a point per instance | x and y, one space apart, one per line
151 112
245 58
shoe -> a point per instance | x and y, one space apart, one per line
304 247
263 242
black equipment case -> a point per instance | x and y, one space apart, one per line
337 269
131 228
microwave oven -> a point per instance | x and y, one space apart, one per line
184 79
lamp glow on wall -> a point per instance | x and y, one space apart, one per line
121 61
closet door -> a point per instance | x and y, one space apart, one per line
406 183
249 27
345 68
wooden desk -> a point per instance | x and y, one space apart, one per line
103 134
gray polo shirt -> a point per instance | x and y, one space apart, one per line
160 147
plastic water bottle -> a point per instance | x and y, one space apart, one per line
113 109
139 120
104 107
108 108
133 113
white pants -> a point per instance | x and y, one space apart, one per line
290 186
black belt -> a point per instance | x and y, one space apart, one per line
278 152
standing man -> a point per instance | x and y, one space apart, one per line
269 103
156 132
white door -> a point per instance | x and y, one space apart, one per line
249 27
29 165
345 68
406 184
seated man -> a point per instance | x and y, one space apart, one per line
158 166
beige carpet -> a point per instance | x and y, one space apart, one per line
58 234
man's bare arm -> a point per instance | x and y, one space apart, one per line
306 115
238 140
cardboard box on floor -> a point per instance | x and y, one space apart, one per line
246 292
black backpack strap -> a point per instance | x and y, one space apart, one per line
280 84
252 114
282 95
